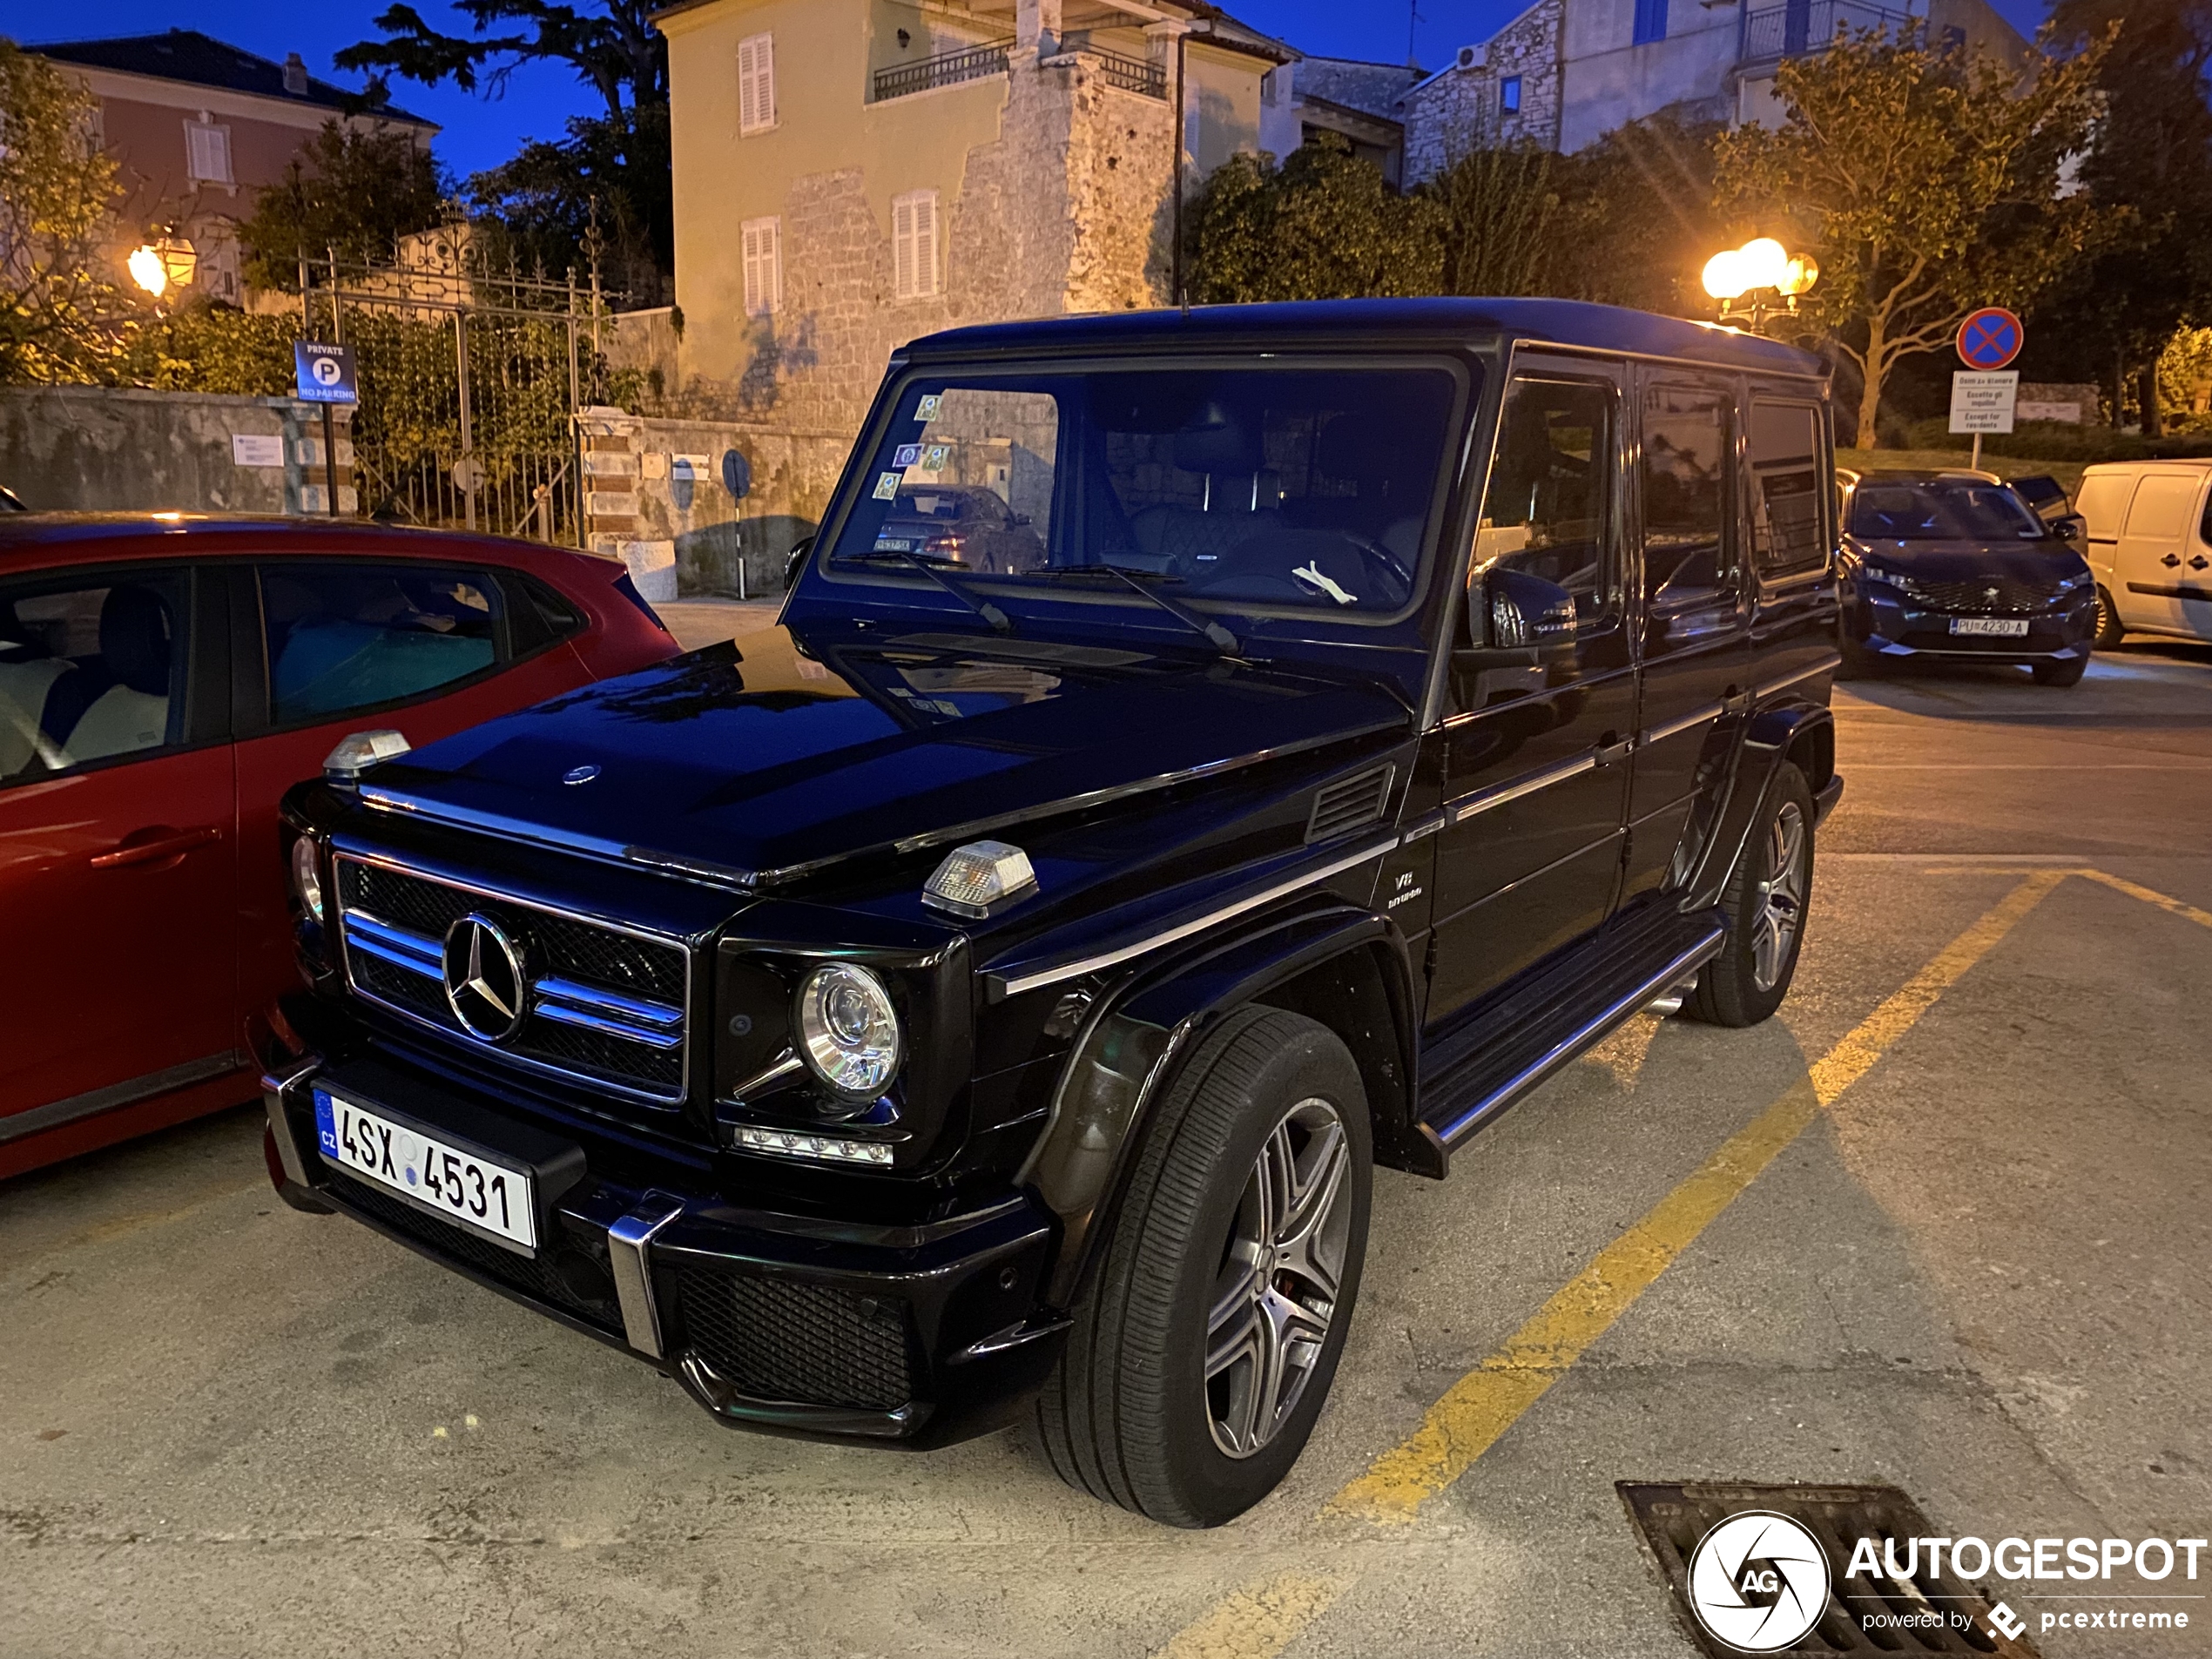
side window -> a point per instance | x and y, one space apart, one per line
91 669
342 637
1786 484
1686 497
1549 510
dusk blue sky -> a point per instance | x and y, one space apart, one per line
480 132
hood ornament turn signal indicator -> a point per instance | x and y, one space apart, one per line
975 877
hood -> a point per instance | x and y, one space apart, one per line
758 761
1945 561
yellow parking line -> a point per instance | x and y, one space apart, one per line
2150 895
1484 1403
1257 1621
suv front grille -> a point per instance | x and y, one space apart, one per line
1990 596
788 1339
602 1005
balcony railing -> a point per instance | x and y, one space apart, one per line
947 69
1132 74
1801 26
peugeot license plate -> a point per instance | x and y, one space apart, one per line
464 1187
2010 627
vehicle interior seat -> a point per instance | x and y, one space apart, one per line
28 668
1390 510
1240 498
121 703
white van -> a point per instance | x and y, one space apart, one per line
2150 546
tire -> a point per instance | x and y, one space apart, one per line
2066 673
1747 980
1130 1415
2109 632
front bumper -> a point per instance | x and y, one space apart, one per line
1888 627
914 1335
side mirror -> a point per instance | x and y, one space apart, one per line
795 561
1527 620
2067 529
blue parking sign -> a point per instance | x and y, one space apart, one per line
323 373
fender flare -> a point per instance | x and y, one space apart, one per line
1139 1035
1797 730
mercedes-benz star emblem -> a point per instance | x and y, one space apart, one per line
485 986
582 775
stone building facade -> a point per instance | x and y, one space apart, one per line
1503 92
850 174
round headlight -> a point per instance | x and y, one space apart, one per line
848 1031
306 875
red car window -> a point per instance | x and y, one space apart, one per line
343 636
92 668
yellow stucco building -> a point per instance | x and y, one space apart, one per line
851 173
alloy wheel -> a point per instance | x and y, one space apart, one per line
1276 1291
1778 901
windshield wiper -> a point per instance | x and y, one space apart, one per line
976 603
1139 583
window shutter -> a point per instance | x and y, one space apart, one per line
756 84
763 262
773 233
207 152
925 253
902 247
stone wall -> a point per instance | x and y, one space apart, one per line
98 449
1459 109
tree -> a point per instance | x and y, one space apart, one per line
1636 222
543 198
1323 225
2153 163
1497 210
59 311
353 190
1927 181
602 194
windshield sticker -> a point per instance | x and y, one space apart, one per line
926 409
1313 576
938 455
906 455
886 485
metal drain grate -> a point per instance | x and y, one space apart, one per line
1922 1614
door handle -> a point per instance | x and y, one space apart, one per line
2199 563
1610 749
2171 560
174 844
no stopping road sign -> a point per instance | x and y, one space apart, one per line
1990 339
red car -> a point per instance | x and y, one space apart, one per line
163 680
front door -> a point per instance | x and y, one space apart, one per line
1696 643
1532 756
117 912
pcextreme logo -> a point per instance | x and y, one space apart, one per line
1760 1582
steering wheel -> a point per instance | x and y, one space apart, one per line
1375 553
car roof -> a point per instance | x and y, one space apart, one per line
1917 475
35 539
1560 322
2196 463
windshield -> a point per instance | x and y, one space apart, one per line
1251 488
1965 511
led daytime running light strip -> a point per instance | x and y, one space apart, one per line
826 1149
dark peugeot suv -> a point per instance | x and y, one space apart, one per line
984 987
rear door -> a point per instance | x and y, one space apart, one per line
332 645
2150 563
1691 619
118 926
1533 758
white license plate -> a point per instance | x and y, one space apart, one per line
2010 627
463 1187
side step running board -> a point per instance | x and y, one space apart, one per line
1513 1046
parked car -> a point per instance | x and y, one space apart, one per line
2150 545
1958 567
163 681
982 988
960 525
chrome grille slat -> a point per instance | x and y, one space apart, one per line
608 1003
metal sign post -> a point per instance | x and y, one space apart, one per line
323 374
1982 396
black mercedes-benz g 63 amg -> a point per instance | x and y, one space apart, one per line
998 984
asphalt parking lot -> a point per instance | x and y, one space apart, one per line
1941 1224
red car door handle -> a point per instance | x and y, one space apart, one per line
173 844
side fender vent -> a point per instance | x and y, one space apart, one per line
1353 804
